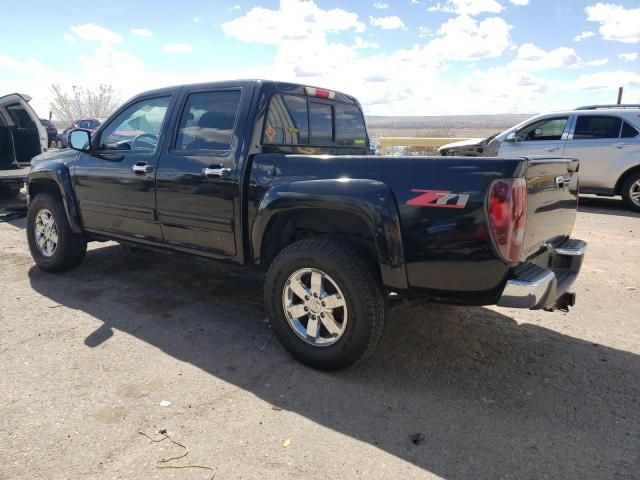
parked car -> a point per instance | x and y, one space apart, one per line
89 124
280 176
606 139
52 131
22 137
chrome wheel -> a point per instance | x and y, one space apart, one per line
315 307
634 192
46 233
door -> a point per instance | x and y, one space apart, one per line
542 137
115 184
22 128
597 144
197 185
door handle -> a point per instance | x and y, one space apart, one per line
142 167
551 149
618 145
215 171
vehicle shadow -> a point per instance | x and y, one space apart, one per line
605 206
12 206
493 399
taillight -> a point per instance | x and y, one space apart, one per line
508 216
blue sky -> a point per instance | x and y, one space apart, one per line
405 57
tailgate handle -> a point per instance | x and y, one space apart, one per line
551 149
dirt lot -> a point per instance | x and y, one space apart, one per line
87 357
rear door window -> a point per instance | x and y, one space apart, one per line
208 120
597 126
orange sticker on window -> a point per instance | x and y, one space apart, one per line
270 133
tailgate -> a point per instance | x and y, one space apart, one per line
552 201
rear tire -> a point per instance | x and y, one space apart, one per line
53 245
631 192
342 335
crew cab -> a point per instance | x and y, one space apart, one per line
22 137
280 176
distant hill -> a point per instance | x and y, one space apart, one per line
442 126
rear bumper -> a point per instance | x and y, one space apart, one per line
546 287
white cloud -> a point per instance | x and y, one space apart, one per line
236 8
628 57
463 38
387 23
468 7
304 21
596 63
584 35
531 58
424 31
381 5
365 44
69 38
95 33
196 19
142 32
607 81
177 48
519 3
616 22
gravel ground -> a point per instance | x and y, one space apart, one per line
87 357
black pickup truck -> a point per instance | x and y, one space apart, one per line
281 176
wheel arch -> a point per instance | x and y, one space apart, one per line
54 178
631 171
362 211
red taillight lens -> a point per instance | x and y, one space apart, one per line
507 206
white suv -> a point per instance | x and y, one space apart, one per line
605 138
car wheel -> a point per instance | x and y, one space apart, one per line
631 192
325 302
53 245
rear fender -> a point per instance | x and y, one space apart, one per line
56 173
370 200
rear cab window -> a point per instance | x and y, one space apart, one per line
294 120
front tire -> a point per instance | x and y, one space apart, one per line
631 192
325 302
53 245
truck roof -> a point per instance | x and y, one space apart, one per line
274 85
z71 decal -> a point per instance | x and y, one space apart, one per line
439 198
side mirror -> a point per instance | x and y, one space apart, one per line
80 140
511 137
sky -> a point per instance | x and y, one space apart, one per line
404 57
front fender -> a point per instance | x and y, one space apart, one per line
371 200
57 172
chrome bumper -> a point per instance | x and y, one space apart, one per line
534 286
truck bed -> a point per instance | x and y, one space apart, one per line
14 174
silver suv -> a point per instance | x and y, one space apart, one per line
605 138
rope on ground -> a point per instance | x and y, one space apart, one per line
163 463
